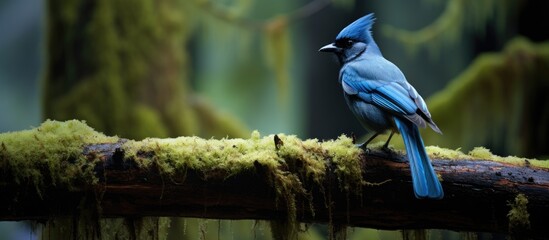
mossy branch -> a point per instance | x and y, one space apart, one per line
47 171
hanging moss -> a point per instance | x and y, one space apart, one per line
496 103
458 18
293 163
519 218
277 53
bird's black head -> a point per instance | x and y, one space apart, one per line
353 40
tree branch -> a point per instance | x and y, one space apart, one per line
157 177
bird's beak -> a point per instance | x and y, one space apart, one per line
330 48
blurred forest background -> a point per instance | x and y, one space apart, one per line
168 68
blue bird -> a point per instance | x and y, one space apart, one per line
379 96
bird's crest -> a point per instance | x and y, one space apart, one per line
359 29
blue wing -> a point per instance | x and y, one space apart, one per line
390 96
393 95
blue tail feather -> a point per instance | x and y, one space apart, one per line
424 178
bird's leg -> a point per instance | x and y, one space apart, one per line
390 153
363 145
386 145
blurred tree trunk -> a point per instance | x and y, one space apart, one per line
122 67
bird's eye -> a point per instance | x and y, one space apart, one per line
348 43
344 43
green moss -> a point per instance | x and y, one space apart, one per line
519 218
238 155
445 153
291 165
482 153
347 162
52 154
49 154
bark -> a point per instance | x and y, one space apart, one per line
478 195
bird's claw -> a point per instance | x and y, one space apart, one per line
392 154
387 150
363 147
